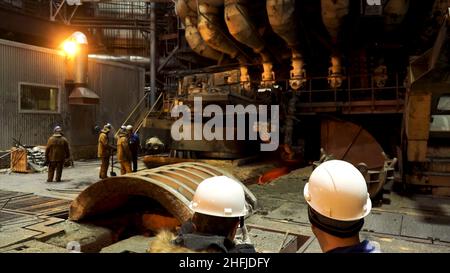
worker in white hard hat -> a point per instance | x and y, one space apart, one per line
338 201
219 208
134 144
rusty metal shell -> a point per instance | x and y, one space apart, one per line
172 186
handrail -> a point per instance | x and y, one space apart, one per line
143 99
141 122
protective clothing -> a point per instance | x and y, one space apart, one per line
56 152
124 154
188 241
104 151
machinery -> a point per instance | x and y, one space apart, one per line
355 79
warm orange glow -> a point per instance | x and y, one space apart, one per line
79 37
70 48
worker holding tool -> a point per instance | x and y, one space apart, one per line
56 152
338 201
123 152
104 150
219 210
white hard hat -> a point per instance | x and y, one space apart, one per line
337 190
129 127
57 129
219 196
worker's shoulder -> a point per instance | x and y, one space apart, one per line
163 243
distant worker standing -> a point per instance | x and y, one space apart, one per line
104 150
56 152
123 152
338 201
134 146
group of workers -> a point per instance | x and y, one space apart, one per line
337 199
127 150
57 151
336 194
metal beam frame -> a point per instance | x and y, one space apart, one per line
56 7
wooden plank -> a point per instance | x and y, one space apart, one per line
49 204
45 227
439 181
4 195
438 152
417 115
441 191
19 161
169 36
417 150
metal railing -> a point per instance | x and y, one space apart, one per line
354 91
139 113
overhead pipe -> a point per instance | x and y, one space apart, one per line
188 17
209 26
333 13
283 20
152 53
243 30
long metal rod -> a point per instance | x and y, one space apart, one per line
152 52
132 112
148 113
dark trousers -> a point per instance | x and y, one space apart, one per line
104 167
134 160
52 166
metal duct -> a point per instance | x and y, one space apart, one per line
209 23
333 13
242 28
282 18
394 13
209 26
193 37
172 186
196 41
78 68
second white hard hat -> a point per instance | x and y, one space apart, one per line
337 190
219 196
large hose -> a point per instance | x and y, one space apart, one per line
209 26
193 37
283 20
333 13
242 29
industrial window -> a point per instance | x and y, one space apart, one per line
444 103
38 98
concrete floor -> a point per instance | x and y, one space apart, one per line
416 223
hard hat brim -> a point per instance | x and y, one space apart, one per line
367 206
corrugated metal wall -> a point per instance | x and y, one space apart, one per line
32 65
119 87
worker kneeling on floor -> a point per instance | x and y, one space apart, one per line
219 208
338 201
